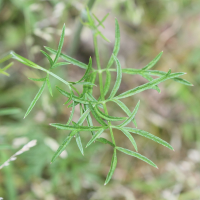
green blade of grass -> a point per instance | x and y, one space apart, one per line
72 114
112 167
35 99
137 155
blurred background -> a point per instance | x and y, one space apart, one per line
147 27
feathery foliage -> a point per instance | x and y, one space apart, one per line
90 106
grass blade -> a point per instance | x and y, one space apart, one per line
131 117
68 58
153 62
117 44
107 117
112 167
35 99
118 79
137 155
60 45
148 85
94 137
124 108
149 136
48 57
100 23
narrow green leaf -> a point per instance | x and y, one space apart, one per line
74 98
118 79
107 117
3 72
153 62
87 71
63 145
137 155
149 136
130 137
149 78
107 83
112 167
96 116
124 108
33 65
35 99
79 143
4 58
49 85
72 114
94 137
148 85
68 58
48 57
100 23
131 117
183 81
79 128
104 141
117 44
60 64
37 79
60 45
7 66
101 34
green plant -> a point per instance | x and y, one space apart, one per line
92 108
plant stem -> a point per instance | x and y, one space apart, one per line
76 39
101 84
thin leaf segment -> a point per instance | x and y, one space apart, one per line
92 109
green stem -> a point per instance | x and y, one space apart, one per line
101 85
